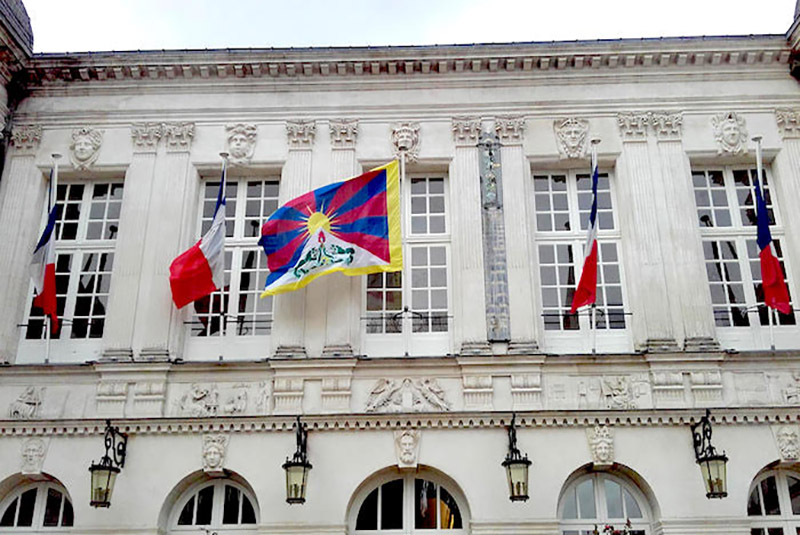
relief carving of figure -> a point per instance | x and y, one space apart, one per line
214 448
617 391
788 443
33 451
601 444
418 395
237 402
406 445
571 135
730 133
791 394
85 147
241 142
200 401
26 406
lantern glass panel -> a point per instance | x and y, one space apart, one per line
296 478
103 478
517 474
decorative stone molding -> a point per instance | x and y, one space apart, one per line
510 130
667 126
146 136
179 136
406 447
236 402
619 392
706 386
28 404
149 398
668 388
466 131
407 395
344 133
572 137
240 141
633 126
406 140
32 453
601 445
336 393
301 134
526 391
478 391
213 458
788 123
111 397
85 147
26 137
730 133
288 395
791 393
263 397
199 401
787 440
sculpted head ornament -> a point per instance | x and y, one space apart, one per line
788 443
601 444
241 142
33 451
730 133
406 443
85 147
572 135
214 447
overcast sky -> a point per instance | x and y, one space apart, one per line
83 25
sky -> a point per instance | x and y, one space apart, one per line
101 25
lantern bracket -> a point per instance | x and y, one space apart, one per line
701 437
301 437
116 444
513 451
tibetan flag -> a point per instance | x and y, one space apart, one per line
586 292
776 295
43 271
201 270
351 226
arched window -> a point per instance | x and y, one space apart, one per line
219 504
601 499
36 506
407 504
774 503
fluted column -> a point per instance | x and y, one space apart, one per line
518 256
159 327
787 184
343 303
682 248
130 249
289 312
467 252
639 221
22 194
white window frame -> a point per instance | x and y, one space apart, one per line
65 348
217 509
754 336
40 503
579 340
786 521
231 345
407 342
584 525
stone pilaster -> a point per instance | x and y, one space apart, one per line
638 211
343 303
289 309
22 192
786 168
682 249
159 327
130 250
467 253
518 256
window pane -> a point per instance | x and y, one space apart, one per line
770 492
613 499
424 504
368 514
754 504
248 513
187 513
392 505
450 516
9 513
794 494
631 507
205 503
586 503
52 507
230 511
67 517
570 510
27 502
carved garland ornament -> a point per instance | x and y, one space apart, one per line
407 395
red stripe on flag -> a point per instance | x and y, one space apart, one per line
190 277
776 295
586 292
46 300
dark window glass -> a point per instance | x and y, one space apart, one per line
27 501
248 513
770 493
52 508
392 505
230 513
68 517
205 502
368 514
794 494
424 504
754 504
8 515
451 516
187 514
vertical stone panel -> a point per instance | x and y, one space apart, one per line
786 169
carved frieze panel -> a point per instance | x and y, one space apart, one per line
236 401
466 131
668 389
478 391
510 130
526 391
215 447
344 134
240 142
28 404
111 397
288 395
263 396
84 148
730 133
149 398
406 447
301 134
407 395
32 453
178 136
572 137
26 137
336 393
751 388
791 392
622 391
787 441
706 386
199 401
601 445
788 123
406 140
145 136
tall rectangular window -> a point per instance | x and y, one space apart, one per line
237 310
85 235
727 218
562 202
408 312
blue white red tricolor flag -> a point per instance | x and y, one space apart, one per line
352 227
201 270
586 292
776 295
43 268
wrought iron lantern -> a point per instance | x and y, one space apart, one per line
298 467
712 464
104 473
516 467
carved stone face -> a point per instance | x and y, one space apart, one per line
573 135
83 148
404 138
730 132
407 448
213 457
788 443
239 145
603 451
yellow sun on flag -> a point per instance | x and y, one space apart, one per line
317 221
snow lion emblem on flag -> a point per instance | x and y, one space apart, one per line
351 226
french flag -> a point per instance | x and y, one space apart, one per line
43 272
586 292
201 270
776 295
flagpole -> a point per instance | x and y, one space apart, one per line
51 192
759 176
223 185
594 142
406 325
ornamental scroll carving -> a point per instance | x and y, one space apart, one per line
301 134
85 147
572 136
241 142
26 137
407 395
730 133
344 134
406 141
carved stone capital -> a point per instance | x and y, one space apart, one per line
466 131
26 137
179 136
667 126
510 130
572 137
788 123
406 140
145 136
730 133
633 126
301 134
344 134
